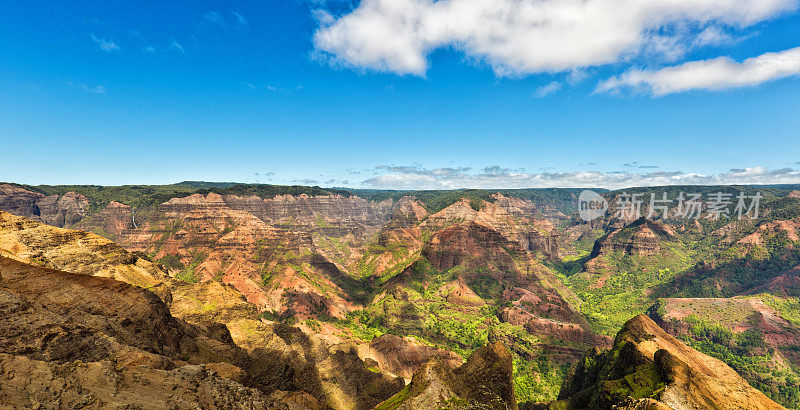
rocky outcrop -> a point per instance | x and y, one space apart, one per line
643 242
71 340
485 256
308 259
752 331
488 237
648 368
486 377
63 317
524 209
18 201
558 330
758 237
516 220
302 255
29 383
408 211
347 214
752 259
402 356
470 242
199 238
289 358
73 251
55 210
113 222
340 374
642 237
274 358
484 381
63 210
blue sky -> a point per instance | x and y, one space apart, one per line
342 93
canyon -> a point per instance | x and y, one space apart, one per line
342 301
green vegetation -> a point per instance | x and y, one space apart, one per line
172 261
618 290
749 355
148 196
396 400
643 382
230 225
186 276
476 204
487 287
313 325
137 196
169 228
411 298
787 308
538 379
783 208
419 307
271 191
726 312
190 273
740 267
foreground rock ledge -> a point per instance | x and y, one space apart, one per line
484 381
650 369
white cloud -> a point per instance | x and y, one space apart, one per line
94 90
241 22
322 17
136 34
212 17
272 88
546 90
98 89
713 36
415 177
517 37
714 74
305 181
177 47
105 45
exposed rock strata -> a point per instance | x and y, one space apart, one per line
648 368
484 381
73 251
53 210
71 340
